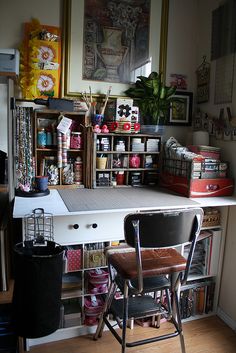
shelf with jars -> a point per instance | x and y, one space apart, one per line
125 159
60 156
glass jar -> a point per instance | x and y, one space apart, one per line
75 140
41 138
78 170
134 161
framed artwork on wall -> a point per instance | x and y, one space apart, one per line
181 109
101 50
116 39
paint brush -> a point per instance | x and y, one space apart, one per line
106 100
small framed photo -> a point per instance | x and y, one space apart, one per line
181 109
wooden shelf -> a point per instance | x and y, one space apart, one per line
48 119
146 174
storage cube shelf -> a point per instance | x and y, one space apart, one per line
125 160
87 279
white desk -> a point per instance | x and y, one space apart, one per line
100 213
137 199
106 209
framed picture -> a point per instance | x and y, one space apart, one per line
90 55
181 109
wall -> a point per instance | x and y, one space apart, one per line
13 14
228 150
180 60
181 54
3 115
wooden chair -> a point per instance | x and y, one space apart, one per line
152 264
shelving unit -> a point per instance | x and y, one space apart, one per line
84 281
47 154
199 295
125 159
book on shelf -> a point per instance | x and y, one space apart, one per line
71 285
206 255
197 300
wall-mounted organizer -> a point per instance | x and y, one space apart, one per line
60 156
125 159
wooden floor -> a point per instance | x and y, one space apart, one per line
209 335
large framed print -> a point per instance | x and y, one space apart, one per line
102 49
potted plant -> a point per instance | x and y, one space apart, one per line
153 98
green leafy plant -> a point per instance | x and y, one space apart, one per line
153 98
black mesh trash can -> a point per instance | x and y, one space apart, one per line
37 288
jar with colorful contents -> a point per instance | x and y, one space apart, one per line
68 174
120 178
134 161
76 140
41 138
78 171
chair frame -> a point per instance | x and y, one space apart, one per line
132 224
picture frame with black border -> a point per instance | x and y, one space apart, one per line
180 113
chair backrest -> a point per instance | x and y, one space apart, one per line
163 228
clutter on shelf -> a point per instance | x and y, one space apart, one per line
195 171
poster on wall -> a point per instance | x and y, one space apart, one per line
116 39
203 81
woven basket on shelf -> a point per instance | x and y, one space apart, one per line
211 217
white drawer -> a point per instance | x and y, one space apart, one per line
88 228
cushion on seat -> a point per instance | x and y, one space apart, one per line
155 262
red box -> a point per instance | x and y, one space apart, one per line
197 187
73 259
206 151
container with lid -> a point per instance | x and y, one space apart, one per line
78 170
41 138
76 140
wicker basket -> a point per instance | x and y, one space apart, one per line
211 217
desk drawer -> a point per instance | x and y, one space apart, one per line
88 228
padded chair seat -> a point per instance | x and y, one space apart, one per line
150 284
139 307
155 262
